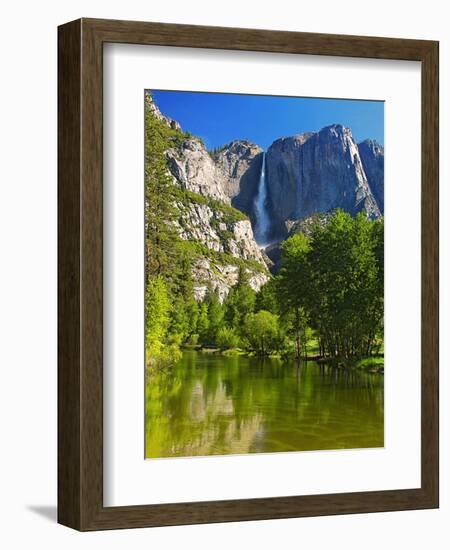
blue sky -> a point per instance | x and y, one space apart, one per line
220 118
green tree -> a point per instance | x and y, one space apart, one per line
185 308
333 282
368 290
378 240
160 234
215 316
262 331
294 288
240 300
227 338
203 322
158 310
345 305
267 297
167 263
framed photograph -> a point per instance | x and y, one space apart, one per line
248 274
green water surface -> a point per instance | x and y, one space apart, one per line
209 404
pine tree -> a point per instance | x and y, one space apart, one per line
159 197
215 316
240 301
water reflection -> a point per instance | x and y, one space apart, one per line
210 405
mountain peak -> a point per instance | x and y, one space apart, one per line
240 161
239 146
288 142
298 140
153 108
372 158
336 130
317 172
372 145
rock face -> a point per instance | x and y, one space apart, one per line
222 236
195 170
210 226
306 225
221 277
241 161
228 243
316 172
152 107
372 157
225 239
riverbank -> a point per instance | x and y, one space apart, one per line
371 364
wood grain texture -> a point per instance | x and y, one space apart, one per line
430 272
80 263
69 246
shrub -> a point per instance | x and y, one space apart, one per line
227 338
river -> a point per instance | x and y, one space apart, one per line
209 404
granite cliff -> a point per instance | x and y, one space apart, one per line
195 170
316 172
372 157
240 161
221 236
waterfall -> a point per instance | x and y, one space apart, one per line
262 221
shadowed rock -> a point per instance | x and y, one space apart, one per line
317 172
372 157
241 161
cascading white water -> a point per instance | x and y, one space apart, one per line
261 214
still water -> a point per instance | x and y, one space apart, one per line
214 405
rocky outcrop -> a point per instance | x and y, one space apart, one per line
208 274
240 161
212 227
372 157
306 225
228 243
153 108
195 170
316 172
274 252
221 237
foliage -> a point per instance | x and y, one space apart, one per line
293 286
203 322
267 297
240 301
199 250
171 312
159 234
158 313
333 282
215 316
262 332
229 214
227 338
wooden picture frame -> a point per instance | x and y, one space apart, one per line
80 272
